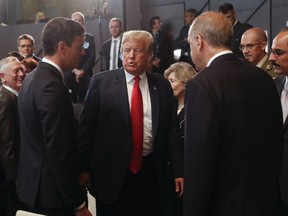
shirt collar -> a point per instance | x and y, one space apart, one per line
15 92
129 77
53 64
117 39
217 55
261 62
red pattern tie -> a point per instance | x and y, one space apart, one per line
136 127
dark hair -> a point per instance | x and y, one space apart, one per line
30 63
225 8
16 54
57 30
152 20
192 11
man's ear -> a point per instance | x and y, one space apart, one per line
2 77
199 42
62 48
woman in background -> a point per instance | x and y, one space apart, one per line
178 75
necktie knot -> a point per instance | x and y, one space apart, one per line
137 79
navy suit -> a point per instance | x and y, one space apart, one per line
106 50
164 51
48 174
233 143
105 140
78 89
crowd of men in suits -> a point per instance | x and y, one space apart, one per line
235 160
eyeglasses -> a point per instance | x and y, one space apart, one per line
249 46
278 52
24 46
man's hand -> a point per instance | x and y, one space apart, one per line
83 212
78 74
179 186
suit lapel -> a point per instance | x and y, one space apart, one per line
154 96
280 81
121 87
8 93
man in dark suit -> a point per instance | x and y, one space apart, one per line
48 177
111 47
279 59
233 143
108 141
163 46
181 40
26 46
239 28
11 75
78 78
253 46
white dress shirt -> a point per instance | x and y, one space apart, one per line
147 112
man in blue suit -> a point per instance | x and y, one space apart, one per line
48 177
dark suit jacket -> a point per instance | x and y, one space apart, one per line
9 134
182 43
165 52
105 140
238 30
106 52
48 166
233 143
87 61
36 58
86 64
280 81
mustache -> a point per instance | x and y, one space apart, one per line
275 64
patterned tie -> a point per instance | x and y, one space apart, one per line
114 55
136 127
156 45
284 101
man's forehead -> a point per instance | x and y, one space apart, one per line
25 41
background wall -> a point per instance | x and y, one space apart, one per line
267 14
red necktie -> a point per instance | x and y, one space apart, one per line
136 127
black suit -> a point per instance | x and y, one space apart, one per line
238 30
164 51
48 166
182 43
107 49
78 89
9 151
280 81
105 139
36 58
233 143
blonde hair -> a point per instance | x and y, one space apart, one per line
140 35
183 71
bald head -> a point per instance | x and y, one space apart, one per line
214 28
253 44
279 53
210 33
